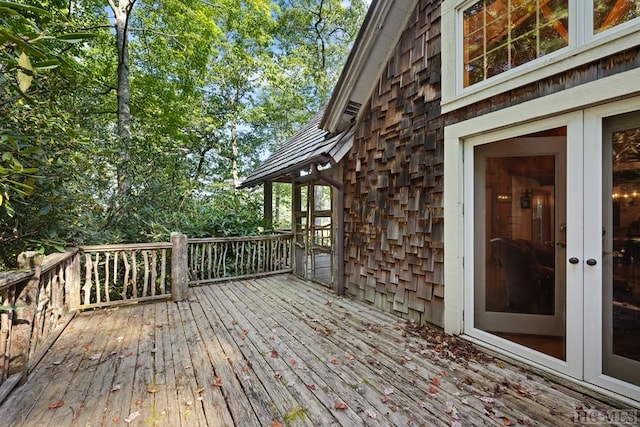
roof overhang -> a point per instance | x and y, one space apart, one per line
309 146
380 32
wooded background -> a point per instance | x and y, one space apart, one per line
123 121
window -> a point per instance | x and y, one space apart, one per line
609 13
499 35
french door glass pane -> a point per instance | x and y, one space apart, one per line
621 279
520 234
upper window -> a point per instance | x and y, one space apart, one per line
609 13
498 35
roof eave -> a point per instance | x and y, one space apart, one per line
380 32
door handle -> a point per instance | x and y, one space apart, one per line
591 261
573 260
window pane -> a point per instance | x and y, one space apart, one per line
609 13
511 33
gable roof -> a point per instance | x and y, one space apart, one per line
307 146
379 34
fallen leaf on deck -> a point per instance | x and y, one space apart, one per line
350 356
132 417
276 424
506 421
335 362
153 389
116 387
95 356
138 402
116 419
370 413
293 362
55 405
277 375
384 399
311 387
340 405
234 322
435 381
387 391
432 389
328 303
217 382
246 368
486 399
200 390
274 354
245 331
409 422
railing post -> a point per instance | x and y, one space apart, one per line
25 313
72 287
179 267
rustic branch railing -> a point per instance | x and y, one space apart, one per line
34 307
218 259
113 274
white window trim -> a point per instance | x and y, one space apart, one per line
583 48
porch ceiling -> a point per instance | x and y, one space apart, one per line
307 146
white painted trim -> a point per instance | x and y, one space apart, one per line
583 48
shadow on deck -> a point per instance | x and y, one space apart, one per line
274 351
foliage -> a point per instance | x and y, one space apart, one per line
214 86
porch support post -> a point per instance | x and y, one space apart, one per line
340 237
268 204
179 267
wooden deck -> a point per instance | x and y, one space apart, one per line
269 352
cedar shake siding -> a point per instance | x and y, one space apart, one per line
394 181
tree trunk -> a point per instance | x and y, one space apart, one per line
122 12
234 155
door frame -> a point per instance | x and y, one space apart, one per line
593 302
573 365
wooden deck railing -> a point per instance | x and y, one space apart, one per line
217 259
37 301
34 307
112 274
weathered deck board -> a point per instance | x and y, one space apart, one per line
275 349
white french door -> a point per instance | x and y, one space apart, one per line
552 226
612 238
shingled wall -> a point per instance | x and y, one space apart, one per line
394 181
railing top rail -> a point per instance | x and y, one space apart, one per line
10 278
124 247
240 238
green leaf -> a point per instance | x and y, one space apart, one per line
24 79
45 209
23 7
75 37
46 65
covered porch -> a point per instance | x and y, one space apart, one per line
276 351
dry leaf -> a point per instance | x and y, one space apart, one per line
217 382
116 387
339 405
293 362
435 381
234 322
335 362
132 417
138 402
153 389
245 331
409 422
506 421
274 354
350 357
276 424
246 368
432 389
311 387
200 390
370 413
384 399
277 375
387 391
55 405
